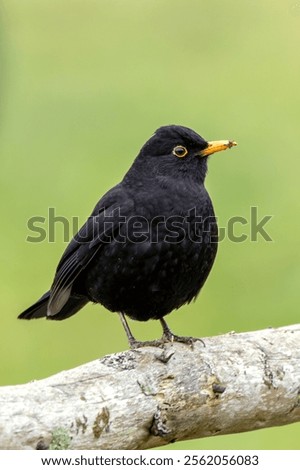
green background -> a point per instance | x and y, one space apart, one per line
83 85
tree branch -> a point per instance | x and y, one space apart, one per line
149 397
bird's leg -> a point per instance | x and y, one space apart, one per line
133 343
169 336
130 337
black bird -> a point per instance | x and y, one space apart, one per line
150 242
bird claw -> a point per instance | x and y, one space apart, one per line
160 343
171 338
157 343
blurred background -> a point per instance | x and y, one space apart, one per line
83 85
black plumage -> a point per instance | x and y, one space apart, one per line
150 242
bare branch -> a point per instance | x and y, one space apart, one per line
149 397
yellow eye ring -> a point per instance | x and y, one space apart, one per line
179 151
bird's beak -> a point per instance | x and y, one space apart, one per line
216 146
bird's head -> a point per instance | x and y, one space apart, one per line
178 151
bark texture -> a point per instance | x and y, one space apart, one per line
152 396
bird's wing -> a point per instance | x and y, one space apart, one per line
85 244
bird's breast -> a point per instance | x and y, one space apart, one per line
158 259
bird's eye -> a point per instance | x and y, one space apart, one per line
179 151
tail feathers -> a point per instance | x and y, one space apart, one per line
74 303
39 309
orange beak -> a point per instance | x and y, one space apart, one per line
216 146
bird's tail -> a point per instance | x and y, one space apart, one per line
39 309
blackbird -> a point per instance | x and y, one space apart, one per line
150 242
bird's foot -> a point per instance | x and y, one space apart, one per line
160 343
171 338
133 343
167 337
157 343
